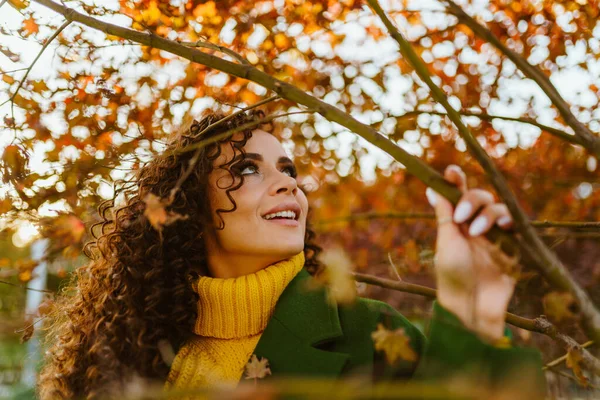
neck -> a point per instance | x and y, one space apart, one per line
221 265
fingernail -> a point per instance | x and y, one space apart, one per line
462 212
504 220
431 196
456 168
478 226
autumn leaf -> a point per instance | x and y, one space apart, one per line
573 361
156 213
27 331
257 369
336 275
30 26
395 344
557 305
8 79
18 4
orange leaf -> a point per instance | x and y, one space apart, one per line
8 79
156 213
395 344
18 4
30 26
257 369
574 358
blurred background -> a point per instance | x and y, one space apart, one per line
94 107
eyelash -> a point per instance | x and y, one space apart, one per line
244 164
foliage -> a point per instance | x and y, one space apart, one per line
108 104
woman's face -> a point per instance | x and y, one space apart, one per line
269 181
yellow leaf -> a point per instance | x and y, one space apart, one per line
18 4
395 344
257 369
337 275
207 10
574 357
8 79
557 305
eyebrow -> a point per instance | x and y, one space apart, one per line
259 157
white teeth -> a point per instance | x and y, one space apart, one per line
285 214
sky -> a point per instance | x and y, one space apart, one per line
572 82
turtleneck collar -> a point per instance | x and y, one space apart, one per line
240 307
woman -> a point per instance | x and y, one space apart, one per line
226 281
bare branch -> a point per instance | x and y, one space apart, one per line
586 137
539 325
222 49
487 117
431 216
532 249
25 287
560 359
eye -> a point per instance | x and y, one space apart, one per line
245 165
292 170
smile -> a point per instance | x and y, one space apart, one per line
284 221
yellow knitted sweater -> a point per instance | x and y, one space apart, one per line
232 314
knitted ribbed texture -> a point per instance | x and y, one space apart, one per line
232 314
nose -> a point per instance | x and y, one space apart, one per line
286 183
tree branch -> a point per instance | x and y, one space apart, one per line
532 248
556 274
487 117
427 215
213 46
539 324
586 137
560 359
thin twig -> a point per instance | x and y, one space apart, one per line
222 49
560 359
431 216
26 288
572 377
487 117
12 70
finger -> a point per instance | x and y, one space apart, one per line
455 175
470 202
443 214
491 214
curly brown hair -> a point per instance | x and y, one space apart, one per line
134 295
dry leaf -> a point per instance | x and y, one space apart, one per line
573 361
257 369
156 213
28 330
557 305
337 275
395 344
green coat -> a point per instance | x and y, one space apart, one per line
309 337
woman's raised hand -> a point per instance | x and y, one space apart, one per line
468 267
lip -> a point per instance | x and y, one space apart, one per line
284 222
292 206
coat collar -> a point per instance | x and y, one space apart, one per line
302 319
